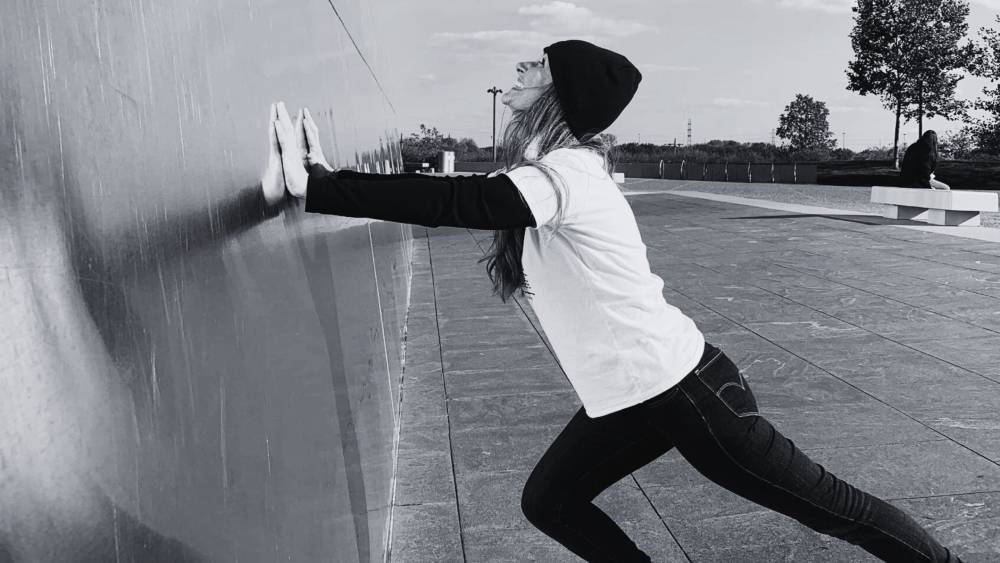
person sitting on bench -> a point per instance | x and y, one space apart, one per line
919 162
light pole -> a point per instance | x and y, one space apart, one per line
494 90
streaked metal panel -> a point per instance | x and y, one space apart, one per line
181 377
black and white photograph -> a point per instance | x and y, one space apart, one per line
388 281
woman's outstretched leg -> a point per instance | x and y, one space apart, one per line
587 457
719 431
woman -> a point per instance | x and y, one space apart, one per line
919 162
646 377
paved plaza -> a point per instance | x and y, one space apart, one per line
873 344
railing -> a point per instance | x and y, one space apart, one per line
756 172
768 172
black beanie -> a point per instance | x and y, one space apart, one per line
593 85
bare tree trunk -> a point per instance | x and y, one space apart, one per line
895 142
920 110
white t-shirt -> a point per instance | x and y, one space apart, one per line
602 309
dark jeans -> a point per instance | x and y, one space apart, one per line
711 418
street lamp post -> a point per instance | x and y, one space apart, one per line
494 90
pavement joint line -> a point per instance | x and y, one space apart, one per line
978 233
659 517
444 382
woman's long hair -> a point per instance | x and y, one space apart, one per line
542 123
931 139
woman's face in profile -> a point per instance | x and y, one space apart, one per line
532 78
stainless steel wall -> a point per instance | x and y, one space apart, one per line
183 377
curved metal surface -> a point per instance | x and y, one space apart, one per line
183 377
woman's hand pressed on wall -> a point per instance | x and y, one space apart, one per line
272 181
310 134
292 156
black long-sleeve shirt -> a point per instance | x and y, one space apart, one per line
475 202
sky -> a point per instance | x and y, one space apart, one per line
730 66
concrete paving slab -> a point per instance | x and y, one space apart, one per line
424 477
428 434
489 337
426 532
976 354
523 357
867 423
920 469
524 409
451 327
506 449
969 522
489 545
821 550
924 388
978 434
492 500
483 384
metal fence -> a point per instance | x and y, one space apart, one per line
785 173
788 173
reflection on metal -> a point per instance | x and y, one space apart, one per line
183 376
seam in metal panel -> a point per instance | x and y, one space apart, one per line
381 321
362 55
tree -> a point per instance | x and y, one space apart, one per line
805 126
907 52
986 131
426 145
936 29
957 144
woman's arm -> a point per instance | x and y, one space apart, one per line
475 202
348 174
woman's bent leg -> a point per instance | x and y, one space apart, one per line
587 457
721 434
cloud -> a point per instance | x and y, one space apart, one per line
828 6
547 23
654 67
563 18
504 37
737 103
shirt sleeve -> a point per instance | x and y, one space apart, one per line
475 202
538 192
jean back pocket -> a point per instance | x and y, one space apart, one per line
723 378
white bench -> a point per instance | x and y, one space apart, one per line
937 207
